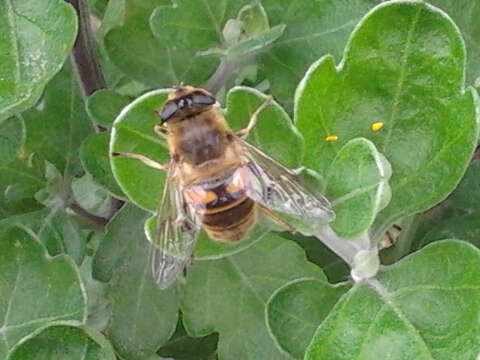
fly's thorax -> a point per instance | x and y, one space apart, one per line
198 139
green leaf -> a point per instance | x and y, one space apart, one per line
56 230
426 306
255 43
95 161
143 316
90 196
357 184
35 289
254 18
403 66
229 296
58 124
295 310
133 133
64 342
134 49
313 28
273 133
183 347
31 55
12 139
465 14
103 106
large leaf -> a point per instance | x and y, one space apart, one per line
403 67
314 28
464 13
229 296
35 289
56 230
135 50
30 54
57 125
295 310
64 342
357 184
426 306
143 316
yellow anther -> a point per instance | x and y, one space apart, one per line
331 138
377 126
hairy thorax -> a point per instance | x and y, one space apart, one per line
203 147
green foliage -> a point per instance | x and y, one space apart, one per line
409 76
425 307
30 55
75 271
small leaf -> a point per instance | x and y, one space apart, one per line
64 341
143 316
133 132
229 296
12 139
34 288
274 132
95 161
295 310
30 54
103 106
19 182
357 184
426 306
255 43
404 67
90 196
254 19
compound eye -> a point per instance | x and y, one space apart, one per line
201 99
169 109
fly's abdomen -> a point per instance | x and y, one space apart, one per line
226 212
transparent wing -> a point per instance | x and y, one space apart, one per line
176 231
274 186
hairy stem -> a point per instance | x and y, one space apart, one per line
223 73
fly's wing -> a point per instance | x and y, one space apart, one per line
274 186
176 231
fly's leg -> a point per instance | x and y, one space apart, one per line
147 161
160 130
253 119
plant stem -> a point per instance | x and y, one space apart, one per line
90 78
98 220
84 53
223 73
